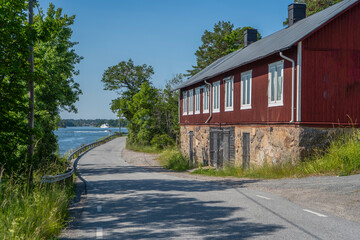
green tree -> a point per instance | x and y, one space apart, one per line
55 89
223 40
167 112
143 125
15 38
55 61
126 79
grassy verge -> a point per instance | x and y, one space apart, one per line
39 213
141 148
342 157
172 158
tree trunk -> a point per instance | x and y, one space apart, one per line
31 98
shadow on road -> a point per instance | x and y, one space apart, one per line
162 209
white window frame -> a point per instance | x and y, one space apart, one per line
197 100
206 99
229 93
276 102
244 86
191 102
185 103
216 97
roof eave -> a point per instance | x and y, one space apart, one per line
230 69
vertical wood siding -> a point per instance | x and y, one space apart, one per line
331 71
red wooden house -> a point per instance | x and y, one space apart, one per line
278 97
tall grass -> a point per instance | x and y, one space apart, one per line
36 213
172 158
342 157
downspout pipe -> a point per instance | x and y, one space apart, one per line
298 86
210 100
292 85
179 100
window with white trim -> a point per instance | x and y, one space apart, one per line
276 82
216 96
229 93
191 101
246 82
197 100
185 103
206 99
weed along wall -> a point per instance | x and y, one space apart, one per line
243 146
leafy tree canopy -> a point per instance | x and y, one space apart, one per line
152 113
126 79
55 89
223 40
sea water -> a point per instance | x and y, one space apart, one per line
72 137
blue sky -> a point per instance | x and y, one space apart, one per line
162 33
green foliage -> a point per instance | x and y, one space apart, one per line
342 157
162 141
142 125
126 79
155 116
152 114
55 61
15 38
37 214
223 40
167 109
55 89
172 158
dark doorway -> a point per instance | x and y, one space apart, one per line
222 146
246 150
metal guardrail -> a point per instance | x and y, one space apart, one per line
76 154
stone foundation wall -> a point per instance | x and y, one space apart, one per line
271 144
201 143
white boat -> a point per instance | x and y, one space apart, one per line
105 125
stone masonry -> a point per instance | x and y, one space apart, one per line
272 144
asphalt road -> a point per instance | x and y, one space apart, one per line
128 202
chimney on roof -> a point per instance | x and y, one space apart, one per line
296 11
250 36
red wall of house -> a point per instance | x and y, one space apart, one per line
331 71
259 112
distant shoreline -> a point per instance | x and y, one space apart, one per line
113 123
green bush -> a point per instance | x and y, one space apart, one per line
172 158
162 141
